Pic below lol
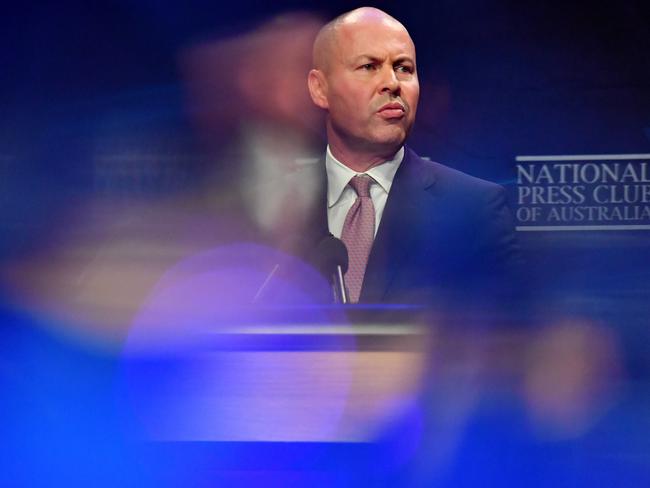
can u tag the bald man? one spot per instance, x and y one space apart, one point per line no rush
416 231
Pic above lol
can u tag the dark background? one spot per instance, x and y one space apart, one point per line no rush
499 79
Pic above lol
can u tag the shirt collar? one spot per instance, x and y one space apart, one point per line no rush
338 174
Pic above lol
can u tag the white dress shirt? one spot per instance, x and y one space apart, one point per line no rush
340 196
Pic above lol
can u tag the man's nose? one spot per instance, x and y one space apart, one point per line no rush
389 81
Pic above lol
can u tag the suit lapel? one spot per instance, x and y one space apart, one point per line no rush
318 227
401 221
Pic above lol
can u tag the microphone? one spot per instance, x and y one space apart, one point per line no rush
331 258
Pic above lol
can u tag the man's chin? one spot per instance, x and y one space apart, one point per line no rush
390 141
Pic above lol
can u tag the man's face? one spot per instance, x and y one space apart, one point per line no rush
372 86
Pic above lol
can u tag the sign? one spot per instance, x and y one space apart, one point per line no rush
583 192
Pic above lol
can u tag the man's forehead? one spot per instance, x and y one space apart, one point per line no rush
368 15
368 38
366 25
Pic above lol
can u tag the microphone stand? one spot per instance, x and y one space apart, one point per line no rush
338 284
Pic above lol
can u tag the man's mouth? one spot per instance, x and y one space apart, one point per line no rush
391 110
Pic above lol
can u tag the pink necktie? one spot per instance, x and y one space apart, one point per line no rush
358 234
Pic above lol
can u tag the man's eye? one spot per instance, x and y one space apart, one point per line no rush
404 69
367 66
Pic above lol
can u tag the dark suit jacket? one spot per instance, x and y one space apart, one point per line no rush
444 235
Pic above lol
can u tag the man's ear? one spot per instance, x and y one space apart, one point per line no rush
318 88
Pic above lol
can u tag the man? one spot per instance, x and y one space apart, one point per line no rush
416 231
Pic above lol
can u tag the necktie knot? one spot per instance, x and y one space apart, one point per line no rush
361 185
